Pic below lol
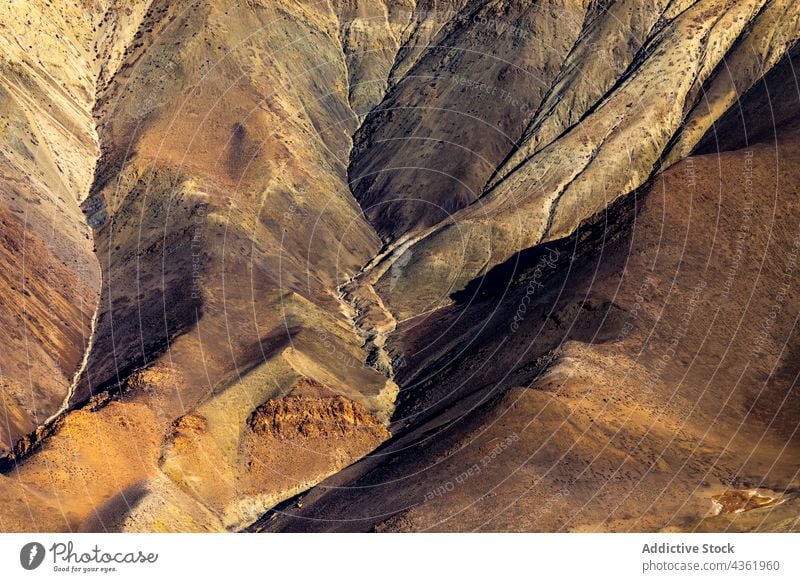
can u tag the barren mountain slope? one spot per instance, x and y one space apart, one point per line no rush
429 148
314 223
622 379
223 225
617 145
49 70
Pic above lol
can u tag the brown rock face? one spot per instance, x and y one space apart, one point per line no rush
298 440
306 417
245 244
732 501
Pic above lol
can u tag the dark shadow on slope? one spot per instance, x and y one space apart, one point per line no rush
111 515
151 252
773 103
515 317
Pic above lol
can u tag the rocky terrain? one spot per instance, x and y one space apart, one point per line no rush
399 266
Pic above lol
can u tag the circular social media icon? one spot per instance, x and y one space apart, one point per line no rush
31 555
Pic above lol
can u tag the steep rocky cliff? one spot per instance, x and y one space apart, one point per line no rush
51 67
245 244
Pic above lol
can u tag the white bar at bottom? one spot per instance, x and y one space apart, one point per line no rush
402 557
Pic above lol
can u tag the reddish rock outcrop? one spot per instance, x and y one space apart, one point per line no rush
311 417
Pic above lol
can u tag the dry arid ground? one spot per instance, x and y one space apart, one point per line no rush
399 265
